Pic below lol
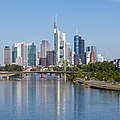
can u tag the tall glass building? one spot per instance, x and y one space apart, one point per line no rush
14 54
79 49
31 55
59 44
76 44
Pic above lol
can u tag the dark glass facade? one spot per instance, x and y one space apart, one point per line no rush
76 44
32 55
51 58
79 49
14 54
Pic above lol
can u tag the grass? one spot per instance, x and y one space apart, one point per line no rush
112 86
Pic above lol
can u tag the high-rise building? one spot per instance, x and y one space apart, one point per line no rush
43 62
88 52
38 58
31 55
44 47
24 54
59 44
77 58
17 53
79 49
62 47
38 54
51 55
68 52
7 55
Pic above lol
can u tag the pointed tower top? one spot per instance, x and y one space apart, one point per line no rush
55 23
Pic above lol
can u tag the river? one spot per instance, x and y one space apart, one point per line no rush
53 99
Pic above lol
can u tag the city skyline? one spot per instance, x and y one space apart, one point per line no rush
97 22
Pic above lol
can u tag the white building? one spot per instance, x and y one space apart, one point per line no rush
88 57
100 58
24 54
59 44
38 58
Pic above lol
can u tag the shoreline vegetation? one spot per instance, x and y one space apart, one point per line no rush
97 75
100 75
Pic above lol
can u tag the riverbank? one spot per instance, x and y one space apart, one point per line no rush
99 84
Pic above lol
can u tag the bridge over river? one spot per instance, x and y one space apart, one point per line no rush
42 73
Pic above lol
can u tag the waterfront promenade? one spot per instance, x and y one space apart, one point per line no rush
100 84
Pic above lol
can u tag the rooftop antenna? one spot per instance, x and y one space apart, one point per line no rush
55 22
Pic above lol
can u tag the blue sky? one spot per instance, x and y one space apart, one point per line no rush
98 21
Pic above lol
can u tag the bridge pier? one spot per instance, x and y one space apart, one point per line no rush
42 75
61 75
22 75
52 74
7 77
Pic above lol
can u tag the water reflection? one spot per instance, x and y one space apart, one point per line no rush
56 100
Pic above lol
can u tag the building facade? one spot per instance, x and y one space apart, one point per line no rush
38 58
31 55
116 62
59 44
88 52
24 54
44 47
68 53
79 49
100 58
43 62
7 55
51 58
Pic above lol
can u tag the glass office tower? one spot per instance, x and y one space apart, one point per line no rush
79 50
31 55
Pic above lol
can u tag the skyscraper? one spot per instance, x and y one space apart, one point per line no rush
7 55
17 53
31 54
24 54
38 58
56 42
62 47
79 49
44 47
68 52
51 58
43 62
59 44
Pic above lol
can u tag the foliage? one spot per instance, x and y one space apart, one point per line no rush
103 71
33 69
11 68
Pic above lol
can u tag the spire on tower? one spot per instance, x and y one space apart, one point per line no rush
55 23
